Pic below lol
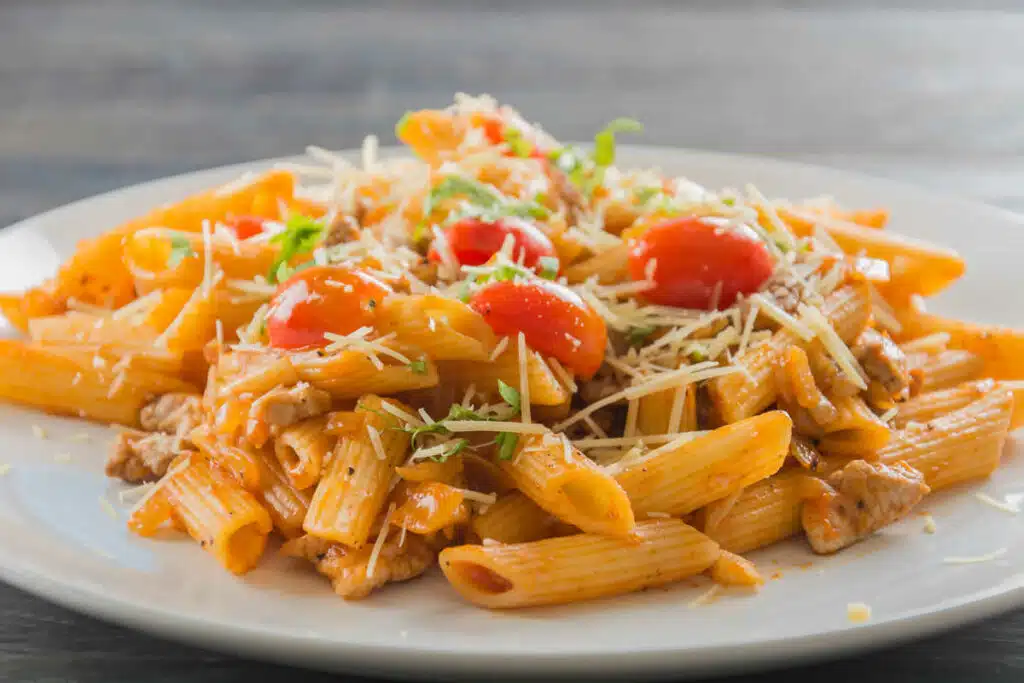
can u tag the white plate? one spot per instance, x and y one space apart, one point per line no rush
58 542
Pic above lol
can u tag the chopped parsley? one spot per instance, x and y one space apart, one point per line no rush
549 266
300 236
517 144
507 442
511 395
456 448
419 367
638 336
604 141
181 248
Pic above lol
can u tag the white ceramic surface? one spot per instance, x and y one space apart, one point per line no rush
57 541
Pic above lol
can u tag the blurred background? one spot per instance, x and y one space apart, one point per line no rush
96 95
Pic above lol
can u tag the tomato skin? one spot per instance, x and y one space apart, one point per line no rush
494 131
555 321
473 241
306 306
245 227
693 255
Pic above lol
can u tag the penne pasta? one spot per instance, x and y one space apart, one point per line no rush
959 446
580 567
444 329
514 518
354 486
301 450
679 478
545 388
561 480
764 513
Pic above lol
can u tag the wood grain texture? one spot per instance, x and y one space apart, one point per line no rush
97 95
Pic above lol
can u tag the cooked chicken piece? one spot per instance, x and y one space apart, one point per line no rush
345 228
282 407
173 413
139 457
567 192
864 498
785 290
400 559
882 360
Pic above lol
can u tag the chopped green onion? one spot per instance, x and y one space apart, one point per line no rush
511 395
300 236
549 266
418 367
637 336
181 249
604 141
507 442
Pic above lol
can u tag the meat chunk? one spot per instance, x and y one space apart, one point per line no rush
175 413
882 360
138 457
345 228
400 559
282 407
864 498
569 195
785 290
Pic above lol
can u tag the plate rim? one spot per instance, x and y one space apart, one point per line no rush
404 659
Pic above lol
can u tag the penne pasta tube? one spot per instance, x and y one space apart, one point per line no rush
765 513
350 374
225 519
575 568
354 486
932 404
286 504
561 480
947 369
545 388
855 431
609 266
1000 348
741 395
66 385
682 476
241 462
514 518
916 267
445 329
301 449
959 446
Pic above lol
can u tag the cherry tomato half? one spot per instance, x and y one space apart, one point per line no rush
555 321
473 241
322 299
244 227
693 256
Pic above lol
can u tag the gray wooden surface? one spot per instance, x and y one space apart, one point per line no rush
95 95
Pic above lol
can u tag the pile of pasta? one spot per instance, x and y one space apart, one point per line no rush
553 377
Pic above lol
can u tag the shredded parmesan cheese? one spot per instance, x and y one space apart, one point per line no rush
706 597
997 504
858 612
378 445
38 432
929 524
385 526
524 381
107 507
994 555
835 346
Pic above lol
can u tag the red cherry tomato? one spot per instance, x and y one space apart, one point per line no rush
322 299
474 241
494 130
555 321
693 256
244 227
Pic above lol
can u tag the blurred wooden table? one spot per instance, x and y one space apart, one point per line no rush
97 95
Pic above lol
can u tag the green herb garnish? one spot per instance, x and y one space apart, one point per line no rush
300 236
511 395
418 367
516 143
455 449
638 336
181 248
549 266
507 442
604 141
